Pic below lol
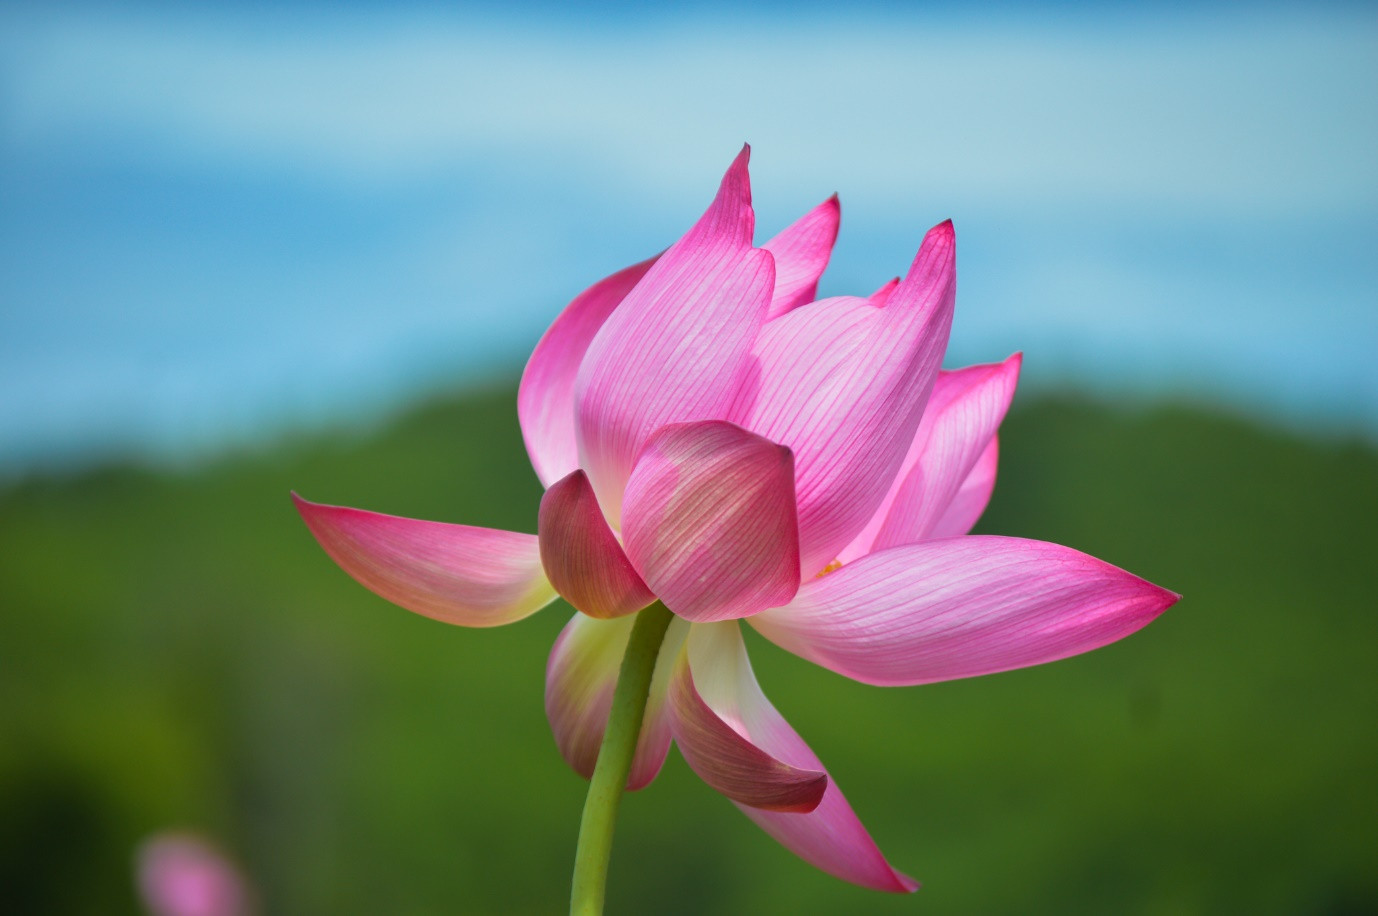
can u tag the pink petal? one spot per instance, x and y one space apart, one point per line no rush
580 678
801 253
581 555
882 295
545 401
843 383
964 411
724 754
678 346
972 496
959 607
710 521
829 836
474 577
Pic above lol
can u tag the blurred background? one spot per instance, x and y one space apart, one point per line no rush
253 247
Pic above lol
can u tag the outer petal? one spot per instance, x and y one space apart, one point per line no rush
474 577
545 401
960 607
829 836
710 520
843 383
677 347
581 555
580 678
972 497
801 253
959 423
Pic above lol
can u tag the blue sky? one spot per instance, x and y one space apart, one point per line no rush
219 224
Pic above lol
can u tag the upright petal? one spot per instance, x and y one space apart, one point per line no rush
959 607
710 520
545 400
801 253
474 577
678 346
972 496
882 295
958 425
581 555
580 678
727 704
843 383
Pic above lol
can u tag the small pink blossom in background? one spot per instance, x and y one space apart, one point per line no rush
180 874
712 437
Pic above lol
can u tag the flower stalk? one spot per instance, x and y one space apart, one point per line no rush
615 761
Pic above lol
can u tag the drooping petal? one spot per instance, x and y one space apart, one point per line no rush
801 253
725 756
965 409
829 835
473 577
678 346
972 496
545 400
581 555
580 678
959 607
843 383
710 522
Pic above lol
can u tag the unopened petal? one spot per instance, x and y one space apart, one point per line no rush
710 522
829 835
959 423
959 607
581 555
581 676
473 577
843 383
801 252
678 346
545 400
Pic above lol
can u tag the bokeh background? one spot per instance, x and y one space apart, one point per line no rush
254 247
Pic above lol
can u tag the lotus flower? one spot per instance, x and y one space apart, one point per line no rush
711 436
180 874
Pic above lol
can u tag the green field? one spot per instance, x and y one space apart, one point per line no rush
175 650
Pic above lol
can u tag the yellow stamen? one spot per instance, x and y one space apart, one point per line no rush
831 567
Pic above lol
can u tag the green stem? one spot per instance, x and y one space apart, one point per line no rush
615 760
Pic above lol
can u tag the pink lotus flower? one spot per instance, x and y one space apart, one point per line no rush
180 874
712 437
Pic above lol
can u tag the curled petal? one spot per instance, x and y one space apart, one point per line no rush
725 757
710 520
801 253
972 496
723 700
678 346
959 607
473 577
843 383
965 409
545 401
580 678
581 555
